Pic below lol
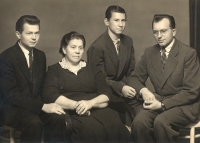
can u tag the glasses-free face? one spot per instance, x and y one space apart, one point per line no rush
74 51
29 36
116 24
162 32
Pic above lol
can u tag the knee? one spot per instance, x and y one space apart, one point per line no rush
160 121
140 123
36 125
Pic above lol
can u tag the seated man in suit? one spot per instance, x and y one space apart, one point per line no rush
113 53
22 71
173 69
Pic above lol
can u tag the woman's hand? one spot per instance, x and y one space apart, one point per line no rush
83 106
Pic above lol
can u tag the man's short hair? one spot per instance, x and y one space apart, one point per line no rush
159 17
30 19
113 8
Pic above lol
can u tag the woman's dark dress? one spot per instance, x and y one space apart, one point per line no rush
103 125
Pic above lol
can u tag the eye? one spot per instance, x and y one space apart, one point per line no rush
117 20
81 48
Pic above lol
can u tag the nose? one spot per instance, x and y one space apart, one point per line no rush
33 36
159 34
120 23
77 50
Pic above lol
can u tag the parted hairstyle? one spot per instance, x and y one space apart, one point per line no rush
69 36
113 8
30 19
159 17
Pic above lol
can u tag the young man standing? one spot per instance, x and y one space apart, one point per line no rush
113 53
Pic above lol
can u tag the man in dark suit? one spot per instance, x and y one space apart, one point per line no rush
113 53
22 71
173 69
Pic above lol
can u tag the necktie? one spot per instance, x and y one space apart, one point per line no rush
163 59
31 62
117 47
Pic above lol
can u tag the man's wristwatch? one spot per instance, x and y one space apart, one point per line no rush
162 107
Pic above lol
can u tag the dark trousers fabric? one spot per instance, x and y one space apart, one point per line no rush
156 127
31 127
29 124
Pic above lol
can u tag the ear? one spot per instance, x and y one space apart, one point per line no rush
64 50
18 35
174 31
106 21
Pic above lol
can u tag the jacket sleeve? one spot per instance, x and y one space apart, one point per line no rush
95 57
12 92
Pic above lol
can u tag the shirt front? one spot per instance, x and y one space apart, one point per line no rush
168 48
26 53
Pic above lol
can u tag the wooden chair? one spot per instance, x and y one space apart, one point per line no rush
192 135
11 133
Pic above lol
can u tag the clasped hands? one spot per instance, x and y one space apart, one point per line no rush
150 102
83 107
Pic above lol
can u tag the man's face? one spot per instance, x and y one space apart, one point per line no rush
163 33
29 36
116 24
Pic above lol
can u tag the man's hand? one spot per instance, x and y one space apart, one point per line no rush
53 108
83 106
152 105
147 95
128 92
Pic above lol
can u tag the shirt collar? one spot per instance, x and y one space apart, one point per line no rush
168 48
25 51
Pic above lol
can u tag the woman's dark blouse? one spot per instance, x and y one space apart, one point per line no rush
83 86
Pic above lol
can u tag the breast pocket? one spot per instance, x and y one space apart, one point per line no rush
177 78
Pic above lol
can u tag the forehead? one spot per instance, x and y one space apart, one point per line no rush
162 24
76 42
118 15
29 27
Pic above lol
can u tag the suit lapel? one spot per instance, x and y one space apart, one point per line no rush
112 51
169 66
21 61
122 57
156 64
171 61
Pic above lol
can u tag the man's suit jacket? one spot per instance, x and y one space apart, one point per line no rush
18 91
102 54
179 85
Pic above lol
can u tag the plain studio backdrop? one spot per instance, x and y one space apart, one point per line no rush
59 17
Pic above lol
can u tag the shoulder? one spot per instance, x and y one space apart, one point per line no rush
54 66
8 52
39 52
126 38
100 40
186 50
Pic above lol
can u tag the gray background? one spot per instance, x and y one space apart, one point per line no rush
86 17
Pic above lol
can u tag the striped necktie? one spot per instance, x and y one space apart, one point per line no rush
31 62
163 59
117 47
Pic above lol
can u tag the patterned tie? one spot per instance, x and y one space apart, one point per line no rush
31 62
163 59
117 47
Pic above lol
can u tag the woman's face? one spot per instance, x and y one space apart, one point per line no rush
74 51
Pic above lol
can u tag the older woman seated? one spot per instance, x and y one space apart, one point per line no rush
84 94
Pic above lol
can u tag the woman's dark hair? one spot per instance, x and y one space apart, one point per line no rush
30 19
69 36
